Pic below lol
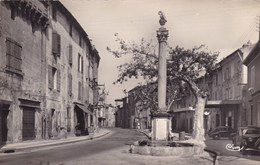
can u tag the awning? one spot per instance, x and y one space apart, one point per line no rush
83 108
219 103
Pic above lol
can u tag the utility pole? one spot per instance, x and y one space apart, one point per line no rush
161 122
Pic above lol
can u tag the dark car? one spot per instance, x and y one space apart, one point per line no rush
222 132
237 137
248 138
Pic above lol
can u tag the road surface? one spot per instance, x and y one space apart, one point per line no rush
74 151
220 147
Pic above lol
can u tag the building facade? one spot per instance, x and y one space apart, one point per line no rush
227 86
121 114
225 104
134 111
253 88
48 72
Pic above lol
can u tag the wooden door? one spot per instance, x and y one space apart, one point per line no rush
28 123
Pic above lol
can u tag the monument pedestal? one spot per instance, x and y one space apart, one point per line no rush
161 126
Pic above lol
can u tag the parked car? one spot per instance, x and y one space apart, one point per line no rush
248 138
237 137
222 132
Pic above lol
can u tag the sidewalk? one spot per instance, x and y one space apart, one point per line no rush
43 143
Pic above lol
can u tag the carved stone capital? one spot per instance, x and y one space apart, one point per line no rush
162 34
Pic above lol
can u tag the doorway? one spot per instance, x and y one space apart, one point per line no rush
3 122
28 123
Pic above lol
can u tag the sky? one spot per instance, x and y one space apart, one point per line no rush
222 25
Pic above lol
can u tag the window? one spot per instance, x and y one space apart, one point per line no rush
80 63
91 67
80 90
252 77
80 42
54 77
54 14
70 55
56 44
13 56
70 84
70 30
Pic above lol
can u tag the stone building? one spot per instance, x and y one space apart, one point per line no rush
227 87
135 109
139 107
252 62
49 71
121 114
225 104
22 46
72 74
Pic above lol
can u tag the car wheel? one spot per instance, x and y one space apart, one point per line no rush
216 137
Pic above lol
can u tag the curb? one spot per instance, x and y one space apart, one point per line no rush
55 143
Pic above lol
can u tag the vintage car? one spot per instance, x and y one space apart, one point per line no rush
237 137
221 132
248 138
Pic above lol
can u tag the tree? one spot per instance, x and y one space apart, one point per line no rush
184 68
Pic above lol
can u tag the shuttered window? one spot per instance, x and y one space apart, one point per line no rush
80 63
70 55
252 77
58 80
56 44
54 78
13 55
50 77
71 30
69 84
80 91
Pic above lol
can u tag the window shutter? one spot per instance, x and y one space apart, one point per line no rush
12 62
54 43
8 53
80 89
50 78
20 57
58 45
17 57
69 84
58 80
82 64
70 54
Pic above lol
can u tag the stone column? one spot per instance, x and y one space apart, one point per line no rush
161 121
162 35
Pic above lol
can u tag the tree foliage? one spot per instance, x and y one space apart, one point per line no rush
184 66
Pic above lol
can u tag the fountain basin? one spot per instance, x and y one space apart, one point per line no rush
163 148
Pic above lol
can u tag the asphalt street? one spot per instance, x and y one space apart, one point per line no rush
110 149
70 152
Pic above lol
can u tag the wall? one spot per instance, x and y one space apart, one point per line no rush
29 83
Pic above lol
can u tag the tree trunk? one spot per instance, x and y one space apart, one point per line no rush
198 125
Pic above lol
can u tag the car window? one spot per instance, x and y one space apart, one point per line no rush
253 131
